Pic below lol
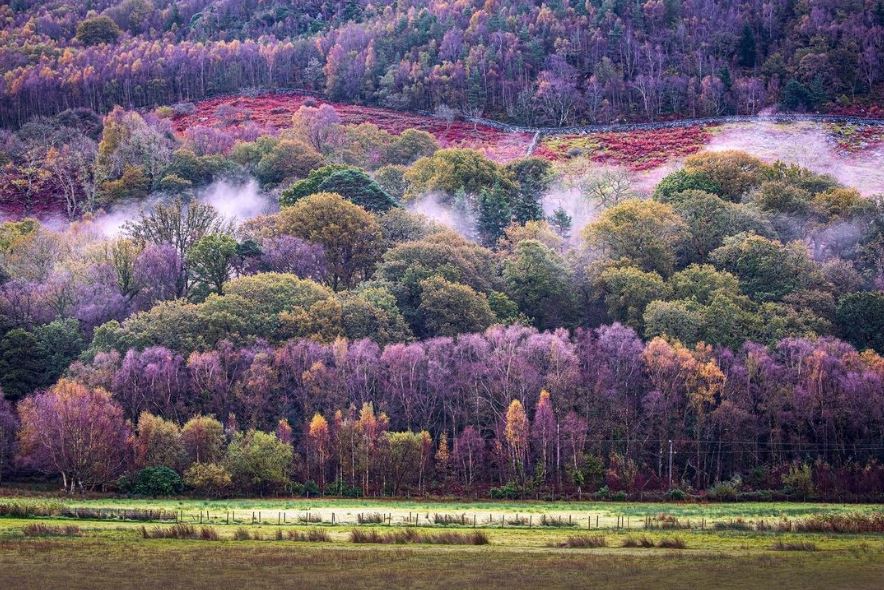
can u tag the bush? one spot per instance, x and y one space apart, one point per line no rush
343 489
676 495
724 491
155 481
510 491
310 489
799 481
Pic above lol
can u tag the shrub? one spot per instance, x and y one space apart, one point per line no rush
724 491
799 481
510 491
676 495
155 481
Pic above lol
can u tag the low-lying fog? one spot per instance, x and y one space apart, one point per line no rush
237 200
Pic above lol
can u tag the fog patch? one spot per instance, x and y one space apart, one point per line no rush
235 200
446 211
808 145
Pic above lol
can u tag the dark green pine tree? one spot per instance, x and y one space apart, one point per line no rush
746 51
495 214
20 364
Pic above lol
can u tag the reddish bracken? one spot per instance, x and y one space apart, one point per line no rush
274 112
637 150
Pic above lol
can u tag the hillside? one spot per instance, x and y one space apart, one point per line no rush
553 63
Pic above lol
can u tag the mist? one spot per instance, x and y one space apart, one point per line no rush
808 145
235 200
439 208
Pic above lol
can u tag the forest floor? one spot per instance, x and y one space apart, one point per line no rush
659 545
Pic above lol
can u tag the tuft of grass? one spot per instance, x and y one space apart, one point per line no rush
555 521
737 524
672 543
793 546
412 536
208 533
48 530
582 541
370 518
311 536
176 531
642 541
244 534
854 523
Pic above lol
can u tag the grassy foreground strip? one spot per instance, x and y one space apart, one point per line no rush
82 563
58 550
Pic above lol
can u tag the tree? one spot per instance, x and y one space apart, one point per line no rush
860 319
21 367
679 320
516 435
258 461
544 433
538 281
208 479
409 146
646 233
318 126
733 173
709 219
628 290
319 441
561 222
349 234
767 269
746 47
534 176
210 260
8 430
310 185
202 438
358 187
76 432
97 30
450 308
287 159
698 282
495 214
158 443
454 171
180 224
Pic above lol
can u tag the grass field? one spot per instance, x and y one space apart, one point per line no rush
109 552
